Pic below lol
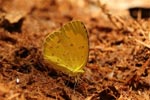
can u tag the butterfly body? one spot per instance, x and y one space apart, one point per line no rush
67 48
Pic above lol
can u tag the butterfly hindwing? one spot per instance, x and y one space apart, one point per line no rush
67 48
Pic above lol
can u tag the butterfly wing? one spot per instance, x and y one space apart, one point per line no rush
67 48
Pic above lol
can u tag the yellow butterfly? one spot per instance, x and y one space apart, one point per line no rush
67 49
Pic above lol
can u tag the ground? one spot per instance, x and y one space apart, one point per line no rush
119 56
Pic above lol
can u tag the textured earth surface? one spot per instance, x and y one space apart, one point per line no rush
118 67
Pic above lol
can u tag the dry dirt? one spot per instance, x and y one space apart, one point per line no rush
118 67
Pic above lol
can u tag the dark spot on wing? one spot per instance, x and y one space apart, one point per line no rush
81 47
71 44
58 60
66 65
52 36
59 41
57 46
50 47
64 54
52 54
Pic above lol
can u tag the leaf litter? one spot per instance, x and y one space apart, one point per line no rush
118 66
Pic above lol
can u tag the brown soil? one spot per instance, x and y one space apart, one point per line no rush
118 67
